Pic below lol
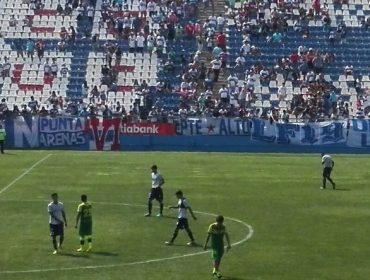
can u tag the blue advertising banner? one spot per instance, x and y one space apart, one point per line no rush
213 126
359 134
321 133
46 132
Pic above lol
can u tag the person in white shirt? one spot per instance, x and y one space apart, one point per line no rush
90 13
132 43
140 41
213 20
12 21
57 221
151 6
216 67
220 23
156 191
328 165
142 8
224 94
54 68
182 218
183 113
282 92
47 68
240 59
245 48
64 71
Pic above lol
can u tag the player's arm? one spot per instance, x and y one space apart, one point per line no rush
162 182
64 217
206 242
191 212
228 241
173 207
332 166
78 218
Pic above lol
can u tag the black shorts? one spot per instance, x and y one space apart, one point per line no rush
326 172
156 193
56 230
182 223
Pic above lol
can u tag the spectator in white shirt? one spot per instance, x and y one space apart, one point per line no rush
151 6
216 67
245 49
240 59
142 8
213 20
12 21
140 40
224 94
54 68
132 43
220 23
282 92
47 68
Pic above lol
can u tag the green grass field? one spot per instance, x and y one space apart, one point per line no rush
300 231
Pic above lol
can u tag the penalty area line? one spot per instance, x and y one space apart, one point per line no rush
246 238
24 174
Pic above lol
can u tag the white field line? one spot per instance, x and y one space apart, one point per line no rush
249 236
24 174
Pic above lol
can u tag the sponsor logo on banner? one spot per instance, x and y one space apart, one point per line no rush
212 126
25 131
148 128
58 132
104 134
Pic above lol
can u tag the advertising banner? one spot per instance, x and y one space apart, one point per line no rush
359 133
148 129
104 134
213 126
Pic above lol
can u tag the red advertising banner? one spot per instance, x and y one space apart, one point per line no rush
148 129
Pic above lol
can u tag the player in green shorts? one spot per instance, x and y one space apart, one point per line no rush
85 218
216 232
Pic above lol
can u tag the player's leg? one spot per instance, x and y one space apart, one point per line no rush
53 238
89 237
82 243
159 197
150 204
189 232
175 232
61 235
324 179
329 178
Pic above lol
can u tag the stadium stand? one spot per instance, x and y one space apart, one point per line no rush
284 58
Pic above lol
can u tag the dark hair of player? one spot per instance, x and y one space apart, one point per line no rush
54 194
220 219
84 197
179 193
154 167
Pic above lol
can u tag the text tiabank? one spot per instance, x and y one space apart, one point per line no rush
320 133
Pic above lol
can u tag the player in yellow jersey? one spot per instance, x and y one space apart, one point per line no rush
85 219
216 233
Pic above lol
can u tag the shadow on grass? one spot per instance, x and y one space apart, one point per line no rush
76 255
10 154
104 254
343 190
170 217
196 245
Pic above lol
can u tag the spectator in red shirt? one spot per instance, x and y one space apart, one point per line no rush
294 58
63 34
189 30
221 40
317 7
40 47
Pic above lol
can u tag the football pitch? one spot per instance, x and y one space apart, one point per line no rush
281 224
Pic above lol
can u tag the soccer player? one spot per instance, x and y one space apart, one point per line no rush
85 218
217 231
57 221
328 164
182 221
156 192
